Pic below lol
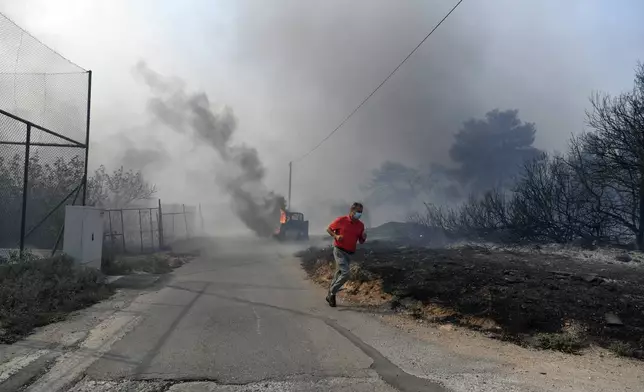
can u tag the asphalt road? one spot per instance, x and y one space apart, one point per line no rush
242 317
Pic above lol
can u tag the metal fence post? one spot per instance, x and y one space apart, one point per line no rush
160 223
89 107
151 231
122 232
109 217
141 229
185 219
25 187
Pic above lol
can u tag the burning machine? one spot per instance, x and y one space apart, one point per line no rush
292 226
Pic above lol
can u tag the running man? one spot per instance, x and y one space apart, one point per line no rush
346 231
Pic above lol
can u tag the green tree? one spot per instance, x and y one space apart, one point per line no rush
491 152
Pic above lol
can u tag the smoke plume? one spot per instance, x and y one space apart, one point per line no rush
242 174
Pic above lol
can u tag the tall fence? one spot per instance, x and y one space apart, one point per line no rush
147 229
44 139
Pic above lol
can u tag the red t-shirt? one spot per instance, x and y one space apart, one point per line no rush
350 230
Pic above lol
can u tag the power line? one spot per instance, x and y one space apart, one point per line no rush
380 85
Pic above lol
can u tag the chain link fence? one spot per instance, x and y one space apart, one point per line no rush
143 230
44 134
178 222
132 230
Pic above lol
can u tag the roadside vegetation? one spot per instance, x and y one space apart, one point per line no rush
38 291
35 292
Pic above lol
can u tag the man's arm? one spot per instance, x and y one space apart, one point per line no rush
331 230
363 237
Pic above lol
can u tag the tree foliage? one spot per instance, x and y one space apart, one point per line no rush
491 152
610 160
594 192
49 183
118 189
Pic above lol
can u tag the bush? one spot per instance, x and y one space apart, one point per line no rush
36 292
622 349
564 342
15 257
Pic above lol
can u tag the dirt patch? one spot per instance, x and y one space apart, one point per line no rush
536 298
36 292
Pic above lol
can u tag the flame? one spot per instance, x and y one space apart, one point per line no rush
282 221
282 216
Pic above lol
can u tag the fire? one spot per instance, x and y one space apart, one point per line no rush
282 216
282 221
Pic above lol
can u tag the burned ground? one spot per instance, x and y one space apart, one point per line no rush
524 296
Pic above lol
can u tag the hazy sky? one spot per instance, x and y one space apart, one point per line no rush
291 70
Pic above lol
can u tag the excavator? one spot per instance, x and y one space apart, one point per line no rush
292 227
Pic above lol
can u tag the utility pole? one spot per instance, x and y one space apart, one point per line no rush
290 177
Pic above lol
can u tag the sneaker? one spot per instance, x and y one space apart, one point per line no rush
331 300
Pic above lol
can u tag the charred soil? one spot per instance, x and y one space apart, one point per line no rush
534 298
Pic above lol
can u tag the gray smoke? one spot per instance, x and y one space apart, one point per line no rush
142 158
292 70
319 59
242 174
120 149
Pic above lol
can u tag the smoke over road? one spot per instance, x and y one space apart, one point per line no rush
242 175
292 70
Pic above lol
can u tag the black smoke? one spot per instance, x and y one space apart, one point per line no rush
242 177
